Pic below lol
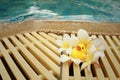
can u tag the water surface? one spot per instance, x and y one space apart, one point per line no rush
78 10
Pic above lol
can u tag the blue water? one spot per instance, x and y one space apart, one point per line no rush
78 10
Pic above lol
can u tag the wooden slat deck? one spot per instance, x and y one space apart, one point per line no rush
34 56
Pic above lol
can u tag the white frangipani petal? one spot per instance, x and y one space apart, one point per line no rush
92 49
93 37
89 67
84 65
69 50
82 34
60 50
102 47
97 55
60 37
66 37
74 41
76 61
64 58
59 42
98 42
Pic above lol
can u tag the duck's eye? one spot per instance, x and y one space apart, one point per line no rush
82 47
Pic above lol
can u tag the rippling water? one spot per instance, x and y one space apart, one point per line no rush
80 10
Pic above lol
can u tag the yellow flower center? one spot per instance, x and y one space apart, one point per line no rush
65 44
89 57
87 43
79 52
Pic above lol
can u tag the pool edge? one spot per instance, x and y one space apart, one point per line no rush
104 28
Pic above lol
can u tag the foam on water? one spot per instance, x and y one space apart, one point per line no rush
35 10
85 10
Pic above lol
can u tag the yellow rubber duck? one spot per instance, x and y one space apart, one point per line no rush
79 52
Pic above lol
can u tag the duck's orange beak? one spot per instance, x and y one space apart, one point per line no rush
78 48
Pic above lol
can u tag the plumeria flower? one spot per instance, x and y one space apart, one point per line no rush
80 46
84 38
67 43
100 48
96 51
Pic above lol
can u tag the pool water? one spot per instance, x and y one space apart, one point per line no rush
78 10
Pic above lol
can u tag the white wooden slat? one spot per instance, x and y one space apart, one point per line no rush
77 75
43 78
50 54
108 68
7 51
119 37
18 75
32 60
65 71
46 43
111 56
3 72
84 78
32 45
55 36
52 40
116 40
98 71
116 50
23 64
40 55
88 74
